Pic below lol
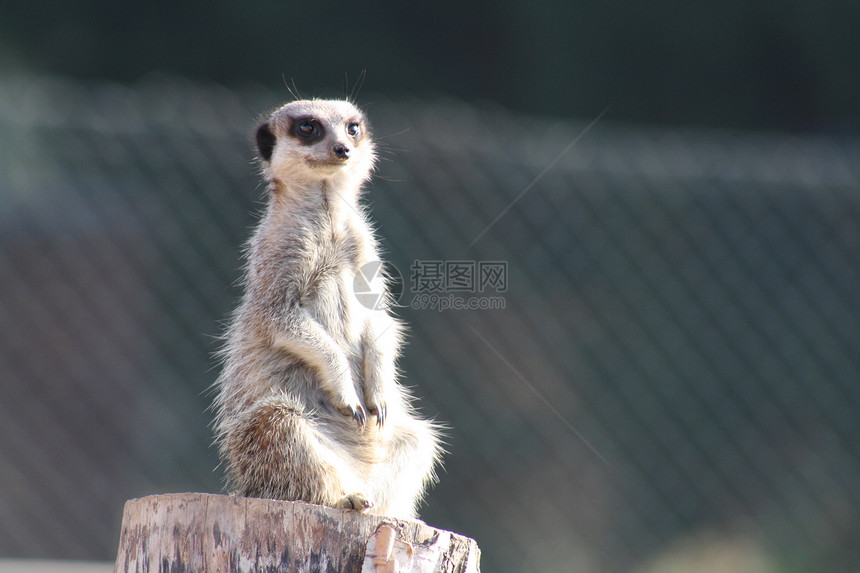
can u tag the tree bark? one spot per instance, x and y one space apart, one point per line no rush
191 532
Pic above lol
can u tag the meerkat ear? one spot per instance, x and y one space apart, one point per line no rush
265 141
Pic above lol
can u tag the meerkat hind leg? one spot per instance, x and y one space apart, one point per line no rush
400 480
357 501
277 452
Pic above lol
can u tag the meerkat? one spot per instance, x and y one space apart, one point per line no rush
309 406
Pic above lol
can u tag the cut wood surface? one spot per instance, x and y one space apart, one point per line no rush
192 532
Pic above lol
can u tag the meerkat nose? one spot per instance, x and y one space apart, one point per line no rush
340 151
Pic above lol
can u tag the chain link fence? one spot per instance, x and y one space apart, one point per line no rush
646 342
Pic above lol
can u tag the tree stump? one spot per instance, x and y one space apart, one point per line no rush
191 532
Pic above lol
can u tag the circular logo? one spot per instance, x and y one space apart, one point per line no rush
377 285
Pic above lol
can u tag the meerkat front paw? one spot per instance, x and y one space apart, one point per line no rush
357 501
358 413
376 406
345 399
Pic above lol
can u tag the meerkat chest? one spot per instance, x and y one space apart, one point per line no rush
344 286
337 304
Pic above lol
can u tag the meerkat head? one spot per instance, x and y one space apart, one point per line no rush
311 141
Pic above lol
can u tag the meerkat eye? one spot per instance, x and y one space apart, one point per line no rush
306 128
353 129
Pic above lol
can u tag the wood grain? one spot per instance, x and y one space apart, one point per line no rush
189 532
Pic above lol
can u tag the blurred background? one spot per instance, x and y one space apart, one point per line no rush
667 379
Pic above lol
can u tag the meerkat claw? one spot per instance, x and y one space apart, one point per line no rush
360 416
358 413
380 413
